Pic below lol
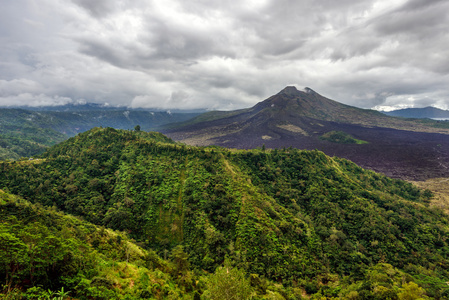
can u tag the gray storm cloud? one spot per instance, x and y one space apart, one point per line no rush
221 55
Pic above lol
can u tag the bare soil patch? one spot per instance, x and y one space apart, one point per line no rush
440 189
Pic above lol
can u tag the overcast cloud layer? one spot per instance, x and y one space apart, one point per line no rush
223 54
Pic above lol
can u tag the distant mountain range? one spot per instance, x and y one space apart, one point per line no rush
77 107
420 113
69 107
397 147
71 122
25 132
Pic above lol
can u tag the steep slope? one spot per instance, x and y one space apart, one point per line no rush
46 254
294 103
397 147
289 215
290 104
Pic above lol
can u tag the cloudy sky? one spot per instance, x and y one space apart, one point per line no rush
223 54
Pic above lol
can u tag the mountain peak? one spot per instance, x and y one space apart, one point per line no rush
293 91
289 90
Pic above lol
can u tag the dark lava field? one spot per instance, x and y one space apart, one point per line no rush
396 153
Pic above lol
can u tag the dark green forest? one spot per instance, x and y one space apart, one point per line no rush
267 223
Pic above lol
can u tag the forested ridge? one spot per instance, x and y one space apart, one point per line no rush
293 223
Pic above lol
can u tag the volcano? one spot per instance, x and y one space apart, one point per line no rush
304 119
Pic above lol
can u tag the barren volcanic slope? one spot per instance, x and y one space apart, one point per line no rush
399 148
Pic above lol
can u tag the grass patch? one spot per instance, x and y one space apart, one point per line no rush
341 137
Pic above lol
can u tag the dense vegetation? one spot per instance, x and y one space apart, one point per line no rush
311 223
46 254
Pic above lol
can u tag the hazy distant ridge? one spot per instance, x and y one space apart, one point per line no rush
419 113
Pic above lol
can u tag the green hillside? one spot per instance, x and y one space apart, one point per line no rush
340 137
311 223
49 255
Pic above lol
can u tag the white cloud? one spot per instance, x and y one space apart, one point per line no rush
27 99
224 55
17 86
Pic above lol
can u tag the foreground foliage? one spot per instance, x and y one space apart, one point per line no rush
315 225
45 251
